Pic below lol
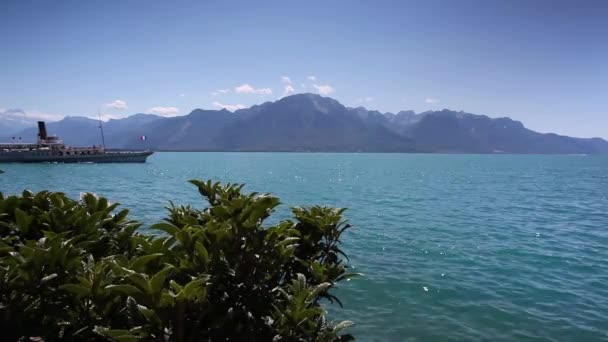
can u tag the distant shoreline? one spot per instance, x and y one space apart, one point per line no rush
387 152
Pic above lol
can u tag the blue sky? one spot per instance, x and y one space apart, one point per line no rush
544 63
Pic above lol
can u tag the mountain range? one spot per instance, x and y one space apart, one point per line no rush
310 122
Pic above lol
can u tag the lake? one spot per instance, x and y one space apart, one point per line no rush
453 247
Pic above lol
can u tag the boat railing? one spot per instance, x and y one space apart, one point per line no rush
93 148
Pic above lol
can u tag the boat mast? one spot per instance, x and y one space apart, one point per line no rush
103 139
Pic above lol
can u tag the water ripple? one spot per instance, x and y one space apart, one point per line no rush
454 247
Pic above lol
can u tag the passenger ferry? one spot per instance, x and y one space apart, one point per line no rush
51 149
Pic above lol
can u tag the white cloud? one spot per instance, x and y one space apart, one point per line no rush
247 89
312 78
220 91
117 104
182 95
431 100
404 100
44 116
367 99
105 117
304 85
164 111
28 116
288 90
324 89
229 107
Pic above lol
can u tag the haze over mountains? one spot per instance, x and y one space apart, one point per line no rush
309 122
13 121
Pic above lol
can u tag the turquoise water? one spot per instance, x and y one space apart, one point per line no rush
453 247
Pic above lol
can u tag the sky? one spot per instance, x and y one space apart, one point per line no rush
544 63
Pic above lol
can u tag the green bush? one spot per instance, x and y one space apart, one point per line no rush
79 270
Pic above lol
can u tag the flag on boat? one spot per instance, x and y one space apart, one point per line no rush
142 138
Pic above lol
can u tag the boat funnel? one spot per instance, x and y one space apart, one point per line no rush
42 130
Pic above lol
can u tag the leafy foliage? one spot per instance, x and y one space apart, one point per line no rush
79 270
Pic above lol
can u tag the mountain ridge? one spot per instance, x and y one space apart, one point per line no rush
310 122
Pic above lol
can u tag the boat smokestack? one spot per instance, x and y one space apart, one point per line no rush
42 130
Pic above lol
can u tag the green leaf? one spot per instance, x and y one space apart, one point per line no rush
288 241
166 227
141 280
119 335
157 281
79 290
48 278
194 289
175 286
127 289
343 325
139 263
202 252
23 220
